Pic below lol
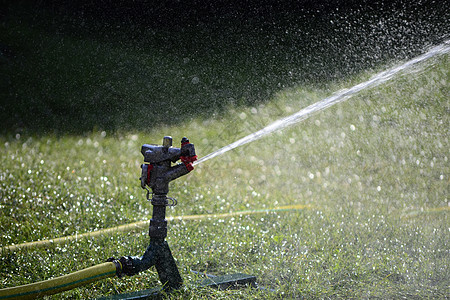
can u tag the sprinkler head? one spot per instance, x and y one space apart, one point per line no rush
158 171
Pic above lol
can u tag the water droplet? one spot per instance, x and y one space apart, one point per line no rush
195 80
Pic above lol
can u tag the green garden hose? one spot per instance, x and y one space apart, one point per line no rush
59 284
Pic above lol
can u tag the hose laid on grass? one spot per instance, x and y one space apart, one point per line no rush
415 213
98 272
139 226
59 284
143 224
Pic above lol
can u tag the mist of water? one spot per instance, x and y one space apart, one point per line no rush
337 97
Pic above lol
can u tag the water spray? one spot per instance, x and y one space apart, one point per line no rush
336 98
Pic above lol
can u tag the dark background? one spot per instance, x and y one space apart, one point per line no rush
78 66
178 13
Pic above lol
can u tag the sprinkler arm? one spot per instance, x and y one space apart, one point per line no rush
155 154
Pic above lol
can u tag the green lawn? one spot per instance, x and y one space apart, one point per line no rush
373 171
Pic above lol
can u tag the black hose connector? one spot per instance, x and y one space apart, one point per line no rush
124 266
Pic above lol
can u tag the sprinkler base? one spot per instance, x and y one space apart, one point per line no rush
223 282
158 254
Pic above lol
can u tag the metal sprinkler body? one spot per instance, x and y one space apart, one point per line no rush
157 173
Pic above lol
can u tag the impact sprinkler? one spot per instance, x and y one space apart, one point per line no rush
157 173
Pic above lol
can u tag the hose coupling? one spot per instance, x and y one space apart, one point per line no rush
124 266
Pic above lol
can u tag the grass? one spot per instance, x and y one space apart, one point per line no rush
374 170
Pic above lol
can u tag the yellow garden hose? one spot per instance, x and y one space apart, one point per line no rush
58 241
101 271
98 272
143 224
59 284
417 212
139 226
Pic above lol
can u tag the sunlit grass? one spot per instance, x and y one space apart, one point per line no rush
79 101
374 169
